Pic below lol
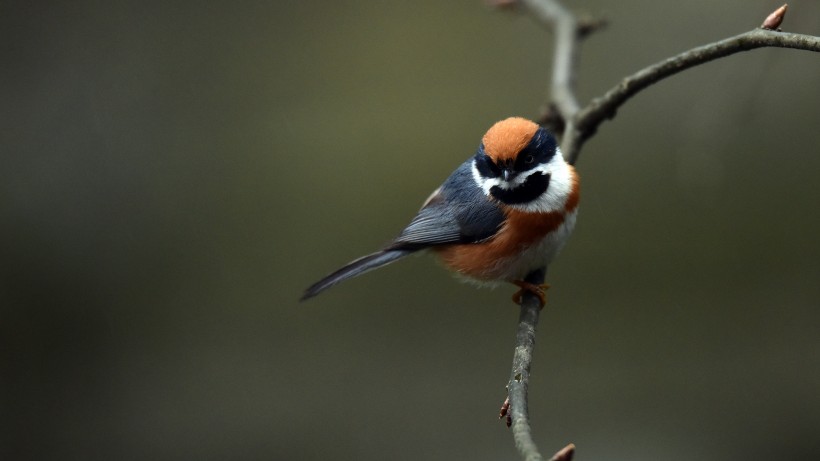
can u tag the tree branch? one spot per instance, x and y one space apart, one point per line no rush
564 115
520 374
588 119
565 30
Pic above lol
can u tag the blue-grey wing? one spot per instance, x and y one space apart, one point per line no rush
459 212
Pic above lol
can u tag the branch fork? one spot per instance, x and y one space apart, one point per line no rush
574 124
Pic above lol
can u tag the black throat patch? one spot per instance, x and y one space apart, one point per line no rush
535 185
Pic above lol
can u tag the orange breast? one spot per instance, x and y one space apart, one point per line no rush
488 260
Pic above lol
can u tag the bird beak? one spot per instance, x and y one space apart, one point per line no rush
506 174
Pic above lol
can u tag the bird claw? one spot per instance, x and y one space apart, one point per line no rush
539 290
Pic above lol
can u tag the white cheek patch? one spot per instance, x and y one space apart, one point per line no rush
485 183
555 197
517 181
560 187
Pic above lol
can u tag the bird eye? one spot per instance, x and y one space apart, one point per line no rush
529 159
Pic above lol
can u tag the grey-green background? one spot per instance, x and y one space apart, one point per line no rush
173 174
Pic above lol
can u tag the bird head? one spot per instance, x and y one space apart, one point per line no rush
519 164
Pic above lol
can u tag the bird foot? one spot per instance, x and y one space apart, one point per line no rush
538 290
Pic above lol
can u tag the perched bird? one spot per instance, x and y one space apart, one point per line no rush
503 213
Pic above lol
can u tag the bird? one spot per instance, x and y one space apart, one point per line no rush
503 213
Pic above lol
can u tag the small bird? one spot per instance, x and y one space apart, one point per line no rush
503 213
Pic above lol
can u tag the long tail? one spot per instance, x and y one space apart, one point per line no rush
354 268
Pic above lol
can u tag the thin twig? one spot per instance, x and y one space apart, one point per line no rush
588 119
565 30
520 375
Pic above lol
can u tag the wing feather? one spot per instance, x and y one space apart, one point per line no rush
458 212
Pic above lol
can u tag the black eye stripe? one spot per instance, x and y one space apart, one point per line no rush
541 148
483 169
484 164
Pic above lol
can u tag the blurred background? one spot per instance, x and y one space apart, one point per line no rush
174 174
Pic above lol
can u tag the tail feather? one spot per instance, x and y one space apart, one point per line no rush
354 268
